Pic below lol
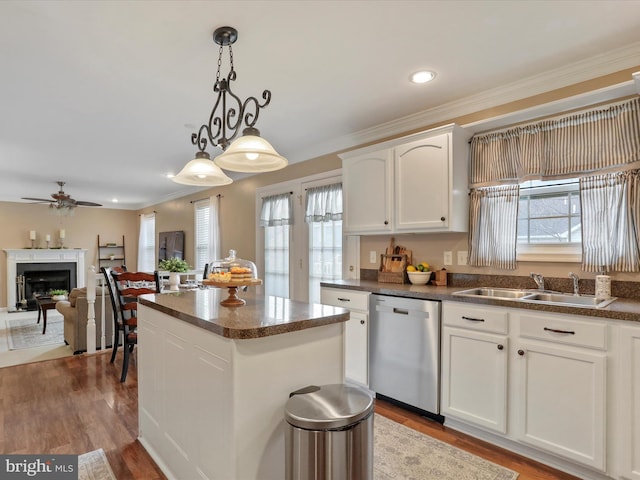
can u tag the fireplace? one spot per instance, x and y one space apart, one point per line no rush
43 270
40 278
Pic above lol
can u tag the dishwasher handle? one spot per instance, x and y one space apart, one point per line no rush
405 312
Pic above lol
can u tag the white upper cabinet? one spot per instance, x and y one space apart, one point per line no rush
411 184
367 191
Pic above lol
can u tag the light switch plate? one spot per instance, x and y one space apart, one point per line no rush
448 258
462 257
373 257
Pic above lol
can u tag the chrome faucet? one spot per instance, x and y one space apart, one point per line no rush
539 279
576 279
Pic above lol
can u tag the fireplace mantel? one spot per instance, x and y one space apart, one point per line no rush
41 255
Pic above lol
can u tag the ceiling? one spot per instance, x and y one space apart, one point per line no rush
104 95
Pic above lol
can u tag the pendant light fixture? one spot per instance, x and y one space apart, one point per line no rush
249 153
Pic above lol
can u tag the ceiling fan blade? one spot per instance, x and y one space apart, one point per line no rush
87 204
38 199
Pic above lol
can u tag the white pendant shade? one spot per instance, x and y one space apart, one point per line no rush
201 171
250 154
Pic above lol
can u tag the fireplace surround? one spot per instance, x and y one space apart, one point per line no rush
45 267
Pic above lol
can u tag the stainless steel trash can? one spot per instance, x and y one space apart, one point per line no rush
329 433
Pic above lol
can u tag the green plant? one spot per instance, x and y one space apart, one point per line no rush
173 265
58 292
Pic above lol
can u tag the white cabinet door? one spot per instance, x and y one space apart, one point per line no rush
560 406
422 185
367 192
474 377
356 341
356 330
629 402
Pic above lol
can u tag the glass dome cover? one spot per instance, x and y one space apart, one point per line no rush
233 268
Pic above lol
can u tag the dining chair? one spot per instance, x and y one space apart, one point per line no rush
128 286
117 324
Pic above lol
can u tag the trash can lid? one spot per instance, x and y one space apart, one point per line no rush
328 407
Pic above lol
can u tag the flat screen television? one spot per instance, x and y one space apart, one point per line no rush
171 245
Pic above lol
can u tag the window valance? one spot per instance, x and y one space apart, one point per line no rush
276 210
324 204
577 145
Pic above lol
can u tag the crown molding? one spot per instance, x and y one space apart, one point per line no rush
571 74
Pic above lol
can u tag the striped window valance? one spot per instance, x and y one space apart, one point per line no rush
574 146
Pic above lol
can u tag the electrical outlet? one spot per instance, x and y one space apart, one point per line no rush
462 257
448 258
373 256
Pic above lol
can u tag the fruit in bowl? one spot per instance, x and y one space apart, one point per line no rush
419 278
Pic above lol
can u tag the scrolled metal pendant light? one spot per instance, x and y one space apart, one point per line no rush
249 152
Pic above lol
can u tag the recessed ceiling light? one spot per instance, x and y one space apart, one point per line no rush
169 175
423 76
114 200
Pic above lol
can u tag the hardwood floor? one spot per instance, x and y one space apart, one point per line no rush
74 405
77 404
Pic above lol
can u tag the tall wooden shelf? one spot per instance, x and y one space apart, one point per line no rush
111 254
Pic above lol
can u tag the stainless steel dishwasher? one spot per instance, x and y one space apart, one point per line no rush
404 351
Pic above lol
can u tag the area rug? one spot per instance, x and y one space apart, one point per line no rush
403 453
26 333
94 466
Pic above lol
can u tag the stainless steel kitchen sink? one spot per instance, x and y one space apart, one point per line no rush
533 296
508 293
569 300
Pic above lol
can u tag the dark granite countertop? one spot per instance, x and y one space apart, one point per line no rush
262 315
621 309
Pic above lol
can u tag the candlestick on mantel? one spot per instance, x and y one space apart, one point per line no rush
32 234
62 233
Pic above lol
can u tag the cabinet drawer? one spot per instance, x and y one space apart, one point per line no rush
556 329
475 317
351 299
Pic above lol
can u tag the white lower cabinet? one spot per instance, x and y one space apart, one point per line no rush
356 331
628 402
536 382
474 366
560 402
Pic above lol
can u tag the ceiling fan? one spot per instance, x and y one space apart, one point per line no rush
62 200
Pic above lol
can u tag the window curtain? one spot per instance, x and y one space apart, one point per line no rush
611 222
574 146
324 204
324 217
493 215
147 243
276 210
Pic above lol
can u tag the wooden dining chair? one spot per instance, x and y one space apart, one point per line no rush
115 308
128 286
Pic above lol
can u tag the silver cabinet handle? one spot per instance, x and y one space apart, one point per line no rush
344 299
471 319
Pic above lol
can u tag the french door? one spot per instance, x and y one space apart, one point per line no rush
294 256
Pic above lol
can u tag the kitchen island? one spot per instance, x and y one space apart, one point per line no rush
213 381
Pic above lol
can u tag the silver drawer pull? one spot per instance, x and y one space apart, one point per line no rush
344 299
401 311
566 332
471 319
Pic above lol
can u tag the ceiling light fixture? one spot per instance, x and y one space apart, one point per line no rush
249 153
423 76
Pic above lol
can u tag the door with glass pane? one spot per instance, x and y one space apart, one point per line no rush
323 215
300 237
